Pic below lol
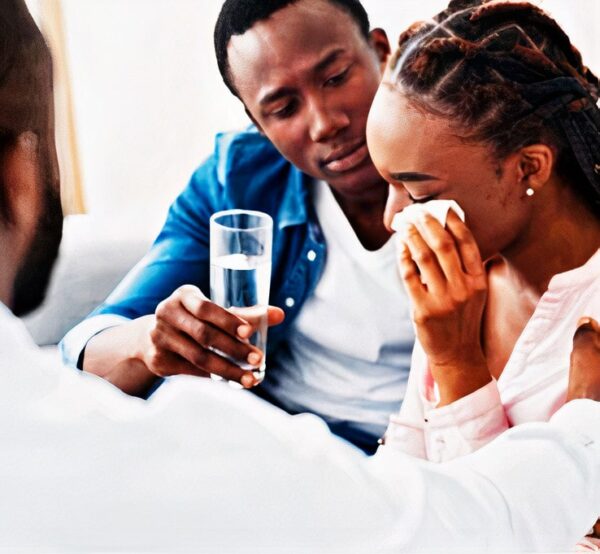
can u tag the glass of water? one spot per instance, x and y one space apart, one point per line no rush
240 271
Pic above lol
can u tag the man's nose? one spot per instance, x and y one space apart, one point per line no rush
398 199
325 121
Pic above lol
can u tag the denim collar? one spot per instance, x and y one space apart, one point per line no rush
247 163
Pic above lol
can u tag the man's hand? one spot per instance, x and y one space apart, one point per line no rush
188 331
584 373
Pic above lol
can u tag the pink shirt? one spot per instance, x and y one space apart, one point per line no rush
532 386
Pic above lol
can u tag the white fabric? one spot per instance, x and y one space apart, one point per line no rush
436 208
204 468
532 386
350 346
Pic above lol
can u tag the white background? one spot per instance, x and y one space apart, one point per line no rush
149 99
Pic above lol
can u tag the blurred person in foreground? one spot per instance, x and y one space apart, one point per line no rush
202 467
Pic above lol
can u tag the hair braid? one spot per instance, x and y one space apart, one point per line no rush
507 74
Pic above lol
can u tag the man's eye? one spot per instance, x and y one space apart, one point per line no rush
284 111
337 79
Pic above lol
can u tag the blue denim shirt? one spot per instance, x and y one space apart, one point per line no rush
245 171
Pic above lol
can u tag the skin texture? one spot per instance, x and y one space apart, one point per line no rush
424 155
318 113
311 99
324 88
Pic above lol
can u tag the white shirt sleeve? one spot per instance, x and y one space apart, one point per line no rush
441 434
535 488
205 468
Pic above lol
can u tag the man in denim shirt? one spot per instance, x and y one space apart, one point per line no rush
306 71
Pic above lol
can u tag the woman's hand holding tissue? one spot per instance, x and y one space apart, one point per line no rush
446 280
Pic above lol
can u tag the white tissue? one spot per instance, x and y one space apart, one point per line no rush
436 208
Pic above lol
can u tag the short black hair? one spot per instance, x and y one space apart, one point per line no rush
237 16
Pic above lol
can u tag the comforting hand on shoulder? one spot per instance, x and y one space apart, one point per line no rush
584 373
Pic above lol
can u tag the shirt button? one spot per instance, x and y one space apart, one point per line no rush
289 302
311 255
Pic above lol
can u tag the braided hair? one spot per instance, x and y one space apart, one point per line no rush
509 76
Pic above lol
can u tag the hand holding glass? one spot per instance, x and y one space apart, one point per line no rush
240 271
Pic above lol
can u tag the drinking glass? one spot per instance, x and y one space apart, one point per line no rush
240 271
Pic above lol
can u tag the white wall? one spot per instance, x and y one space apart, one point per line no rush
149 99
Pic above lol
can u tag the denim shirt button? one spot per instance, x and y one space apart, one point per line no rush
311 255
289 302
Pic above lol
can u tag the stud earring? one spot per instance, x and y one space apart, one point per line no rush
529 192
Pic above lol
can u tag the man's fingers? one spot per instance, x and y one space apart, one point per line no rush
172 364
255 316
202 360
192 299
209 336
275 315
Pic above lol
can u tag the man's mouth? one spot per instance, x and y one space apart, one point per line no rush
346 158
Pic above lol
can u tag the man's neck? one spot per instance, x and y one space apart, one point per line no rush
365 214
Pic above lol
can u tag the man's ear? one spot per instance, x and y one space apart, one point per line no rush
19 178
379 42
256 123
535 165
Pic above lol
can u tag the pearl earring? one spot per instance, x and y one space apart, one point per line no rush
529 192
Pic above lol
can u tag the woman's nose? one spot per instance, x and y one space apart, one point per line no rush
398 199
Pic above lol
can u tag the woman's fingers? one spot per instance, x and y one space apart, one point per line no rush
409 273
426 260
442 243
467 247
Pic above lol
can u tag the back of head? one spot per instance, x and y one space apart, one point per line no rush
508 75
25 81
26 110
238 16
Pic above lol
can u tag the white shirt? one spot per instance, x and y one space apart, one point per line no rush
203 468
532 386
349 349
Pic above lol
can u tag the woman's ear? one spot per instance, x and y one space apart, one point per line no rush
535 165
380 43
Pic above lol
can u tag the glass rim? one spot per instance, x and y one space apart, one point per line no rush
238 211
